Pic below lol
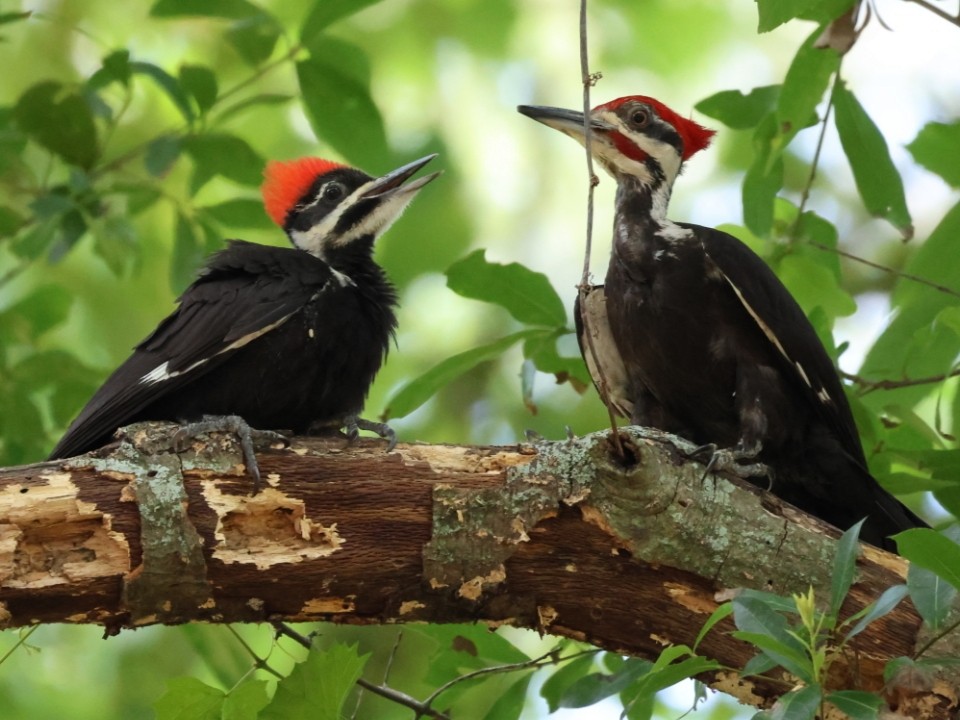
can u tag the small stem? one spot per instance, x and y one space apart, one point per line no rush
954 19
870 385
936 638
583 288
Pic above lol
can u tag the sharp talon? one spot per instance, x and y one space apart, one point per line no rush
248 437
355 424
532 436
730 461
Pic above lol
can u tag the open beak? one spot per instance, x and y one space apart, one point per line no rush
569 122
392 183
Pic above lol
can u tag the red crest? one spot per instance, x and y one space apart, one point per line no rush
286 182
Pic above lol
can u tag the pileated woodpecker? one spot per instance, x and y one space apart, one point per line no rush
695 335
275 337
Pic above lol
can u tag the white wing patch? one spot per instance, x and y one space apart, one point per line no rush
766 330
162 371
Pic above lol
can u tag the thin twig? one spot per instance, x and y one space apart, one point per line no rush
896 273
815 162
259 663
940 12
583 289
871 385
548 658
421 709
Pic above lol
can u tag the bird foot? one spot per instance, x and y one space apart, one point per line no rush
250 439
354 424
731 460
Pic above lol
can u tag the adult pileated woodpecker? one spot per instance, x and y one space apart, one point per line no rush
285 338
696 335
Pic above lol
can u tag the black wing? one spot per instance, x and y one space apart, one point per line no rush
787 328
245 291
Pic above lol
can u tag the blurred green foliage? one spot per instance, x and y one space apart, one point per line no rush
132 141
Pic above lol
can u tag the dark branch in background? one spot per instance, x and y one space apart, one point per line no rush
584 287
425 708
421 709
871 385
939 12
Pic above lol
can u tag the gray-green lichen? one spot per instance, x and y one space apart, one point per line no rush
660 507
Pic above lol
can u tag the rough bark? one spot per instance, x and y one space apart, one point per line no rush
555 536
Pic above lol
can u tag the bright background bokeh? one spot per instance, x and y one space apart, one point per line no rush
447 76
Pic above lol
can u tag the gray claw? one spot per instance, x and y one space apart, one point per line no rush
354 424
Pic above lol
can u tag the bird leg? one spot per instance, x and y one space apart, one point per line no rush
731 459
354 424
249 438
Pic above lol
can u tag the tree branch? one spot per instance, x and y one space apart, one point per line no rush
558 537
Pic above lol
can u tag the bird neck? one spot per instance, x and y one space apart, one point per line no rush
641 211
355 261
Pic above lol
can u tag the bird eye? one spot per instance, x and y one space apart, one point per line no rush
332 191
639 117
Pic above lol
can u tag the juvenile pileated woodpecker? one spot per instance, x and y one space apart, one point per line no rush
695 335
280 338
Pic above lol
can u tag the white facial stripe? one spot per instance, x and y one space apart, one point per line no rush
161 372
379 221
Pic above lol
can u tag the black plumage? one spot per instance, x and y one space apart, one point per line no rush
285 338
695 335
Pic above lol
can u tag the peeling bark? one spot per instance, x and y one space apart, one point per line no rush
557 537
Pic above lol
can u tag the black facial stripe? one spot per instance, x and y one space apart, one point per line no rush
310 210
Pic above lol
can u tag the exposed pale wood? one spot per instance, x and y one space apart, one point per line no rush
555 537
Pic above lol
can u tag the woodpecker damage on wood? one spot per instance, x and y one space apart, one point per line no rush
555 536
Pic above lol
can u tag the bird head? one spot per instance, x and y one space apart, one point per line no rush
324 206
634 136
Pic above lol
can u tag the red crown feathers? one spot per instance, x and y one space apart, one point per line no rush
695 137
286 182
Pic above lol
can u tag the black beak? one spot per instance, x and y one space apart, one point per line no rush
392 182
566 121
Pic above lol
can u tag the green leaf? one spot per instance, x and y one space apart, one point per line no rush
757 665
226 155
813 285
263 99
936 148
246 701
844 567
876 176
115 68
931 550
187 255
187 698
542 351
883 605
856 704
115 241
10 221
791 659
595 687
239 213
525 294
254 38
60 120
800 704
773 13
327 12
739 111
318 687
161 154
341 110
804 87
763 179
719 614
557 685
230 9
931 595
416 392
510 704
201 83
9 17
168 84
40 311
